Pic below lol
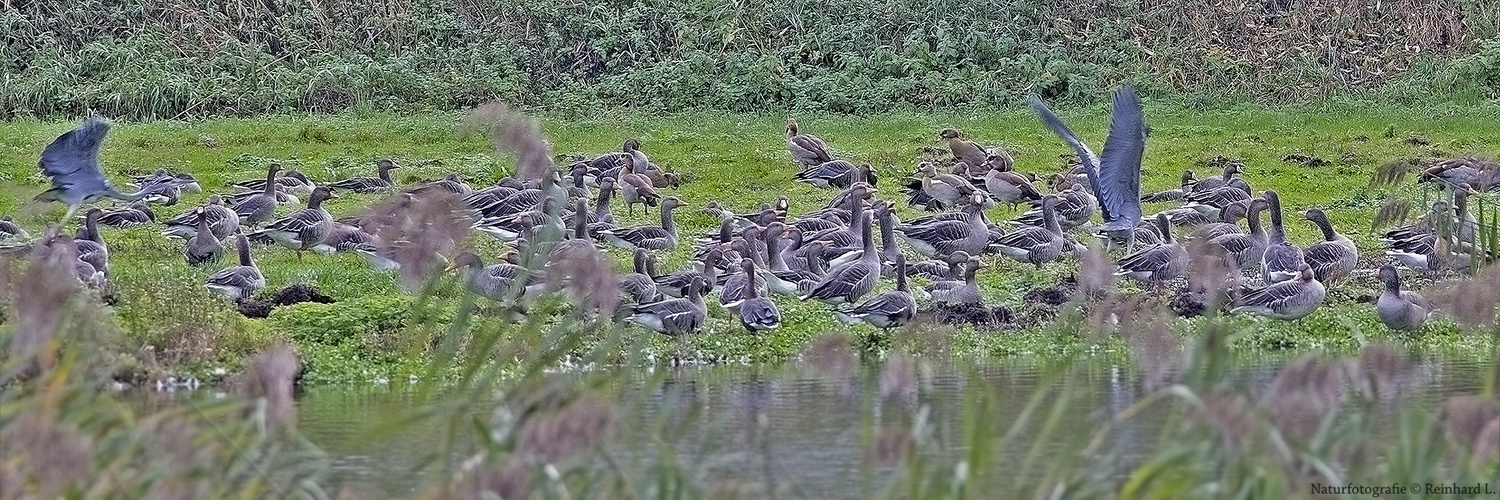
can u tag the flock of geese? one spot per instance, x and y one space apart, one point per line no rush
828 255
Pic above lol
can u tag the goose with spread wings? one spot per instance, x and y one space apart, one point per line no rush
1116 176
71 162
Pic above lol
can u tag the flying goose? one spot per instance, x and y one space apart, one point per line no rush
1398 309
1115 177
887 310
1335 256
807 150
302 229
663 237
71 162
676 316
241 281
1286 300
1281 258
381 181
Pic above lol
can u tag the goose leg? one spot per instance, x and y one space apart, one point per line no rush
72 209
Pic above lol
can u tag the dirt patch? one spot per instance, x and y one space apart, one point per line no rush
1304 160
291 294
976 315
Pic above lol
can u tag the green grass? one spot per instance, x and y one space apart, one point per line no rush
739 160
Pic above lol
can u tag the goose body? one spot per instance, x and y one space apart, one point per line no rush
959 292
302 229
261 207
203 248
892 309
1333 258
677 316
663 237
944 237
1281 259
807 150
1285 300
849 282
1398 309
381 181
241 281
1036 245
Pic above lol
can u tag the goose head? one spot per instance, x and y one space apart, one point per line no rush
950 133
464 260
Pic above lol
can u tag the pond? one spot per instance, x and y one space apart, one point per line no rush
804 430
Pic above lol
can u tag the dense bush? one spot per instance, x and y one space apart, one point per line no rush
174 58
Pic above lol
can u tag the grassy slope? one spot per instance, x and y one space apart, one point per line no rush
741 160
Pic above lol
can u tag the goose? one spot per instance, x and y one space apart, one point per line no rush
222 221
757 313
1157 264
963 149
663 237
847 283
947 189
676 284
9 230
202 248
292 182
1428 253
579 189
1185 217
1281 258
90 244
737 286
496 282
887 310
304 228
636 188
1211 201
279 198
162 177
1036 245
1074 208
1114 177
807 150
677 316
885 218
1335 256
1188 179
381 181
1398 309
1007 186
241 281
946 269
71 163
1424 225
782 278
959 292
1453 173
134 215
1228 221
948 236
343 238
837 174
258 209
639 286
1243 251
1285 300
1227 179
451 184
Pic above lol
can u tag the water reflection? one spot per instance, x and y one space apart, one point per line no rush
806 432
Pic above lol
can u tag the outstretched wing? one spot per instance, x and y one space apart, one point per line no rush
1085 155
1118 183
72 161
